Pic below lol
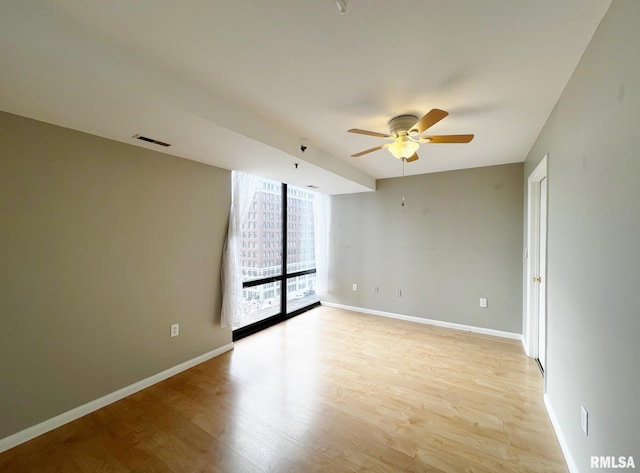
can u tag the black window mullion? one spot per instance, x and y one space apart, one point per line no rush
283 273
259 282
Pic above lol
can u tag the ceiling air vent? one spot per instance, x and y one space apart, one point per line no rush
151 140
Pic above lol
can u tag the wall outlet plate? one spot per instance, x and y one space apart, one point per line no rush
175 330
483 302
584 420
355 287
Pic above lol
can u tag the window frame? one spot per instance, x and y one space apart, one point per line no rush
283 277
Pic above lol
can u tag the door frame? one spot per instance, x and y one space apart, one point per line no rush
530 335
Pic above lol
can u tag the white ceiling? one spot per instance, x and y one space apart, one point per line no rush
242 84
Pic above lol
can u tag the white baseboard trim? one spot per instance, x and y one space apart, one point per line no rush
69 416
420 320
564 446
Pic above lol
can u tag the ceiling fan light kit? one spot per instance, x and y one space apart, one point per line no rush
403 147
405 131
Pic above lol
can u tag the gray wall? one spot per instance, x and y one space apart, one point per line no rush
593 306
103 245
458 238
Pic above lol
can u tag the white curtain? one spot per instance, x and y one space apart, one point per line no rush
243 188
322 219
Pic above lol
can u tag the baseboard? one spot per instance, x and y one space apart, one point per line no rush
564 446
69 416
420 320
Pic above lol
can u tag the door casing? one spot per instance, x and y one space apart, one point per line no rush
531 328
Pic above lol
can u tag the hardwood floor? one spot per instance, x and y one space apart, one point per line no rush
327 391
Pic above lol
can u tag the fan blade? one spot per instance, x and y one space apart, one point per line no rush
357 155
448 139
413 158
369 133
430 119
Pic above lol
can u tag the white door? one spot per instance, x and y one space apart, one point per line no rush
542 276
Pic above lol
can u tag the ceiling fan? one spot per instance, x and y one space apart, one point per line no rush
404 131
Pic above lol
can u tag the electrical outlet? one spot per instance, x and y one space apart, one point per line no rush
483 302
399 292
584 420
175 330
376 290
355 287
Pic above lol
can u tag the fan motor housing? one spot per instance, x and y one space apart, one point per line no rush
401 124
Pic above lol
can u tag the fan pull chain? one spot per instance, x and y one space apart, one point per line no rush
403 160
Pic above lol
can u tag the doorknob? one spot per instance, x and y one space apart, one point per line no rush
537 279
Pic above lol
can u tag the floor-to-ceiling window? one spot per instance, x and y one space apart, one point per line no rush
276 245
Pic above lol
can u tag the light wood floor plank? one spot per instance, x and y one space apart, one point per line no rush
327 391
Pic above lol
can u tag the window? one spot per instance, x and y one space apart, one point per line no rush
292 220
